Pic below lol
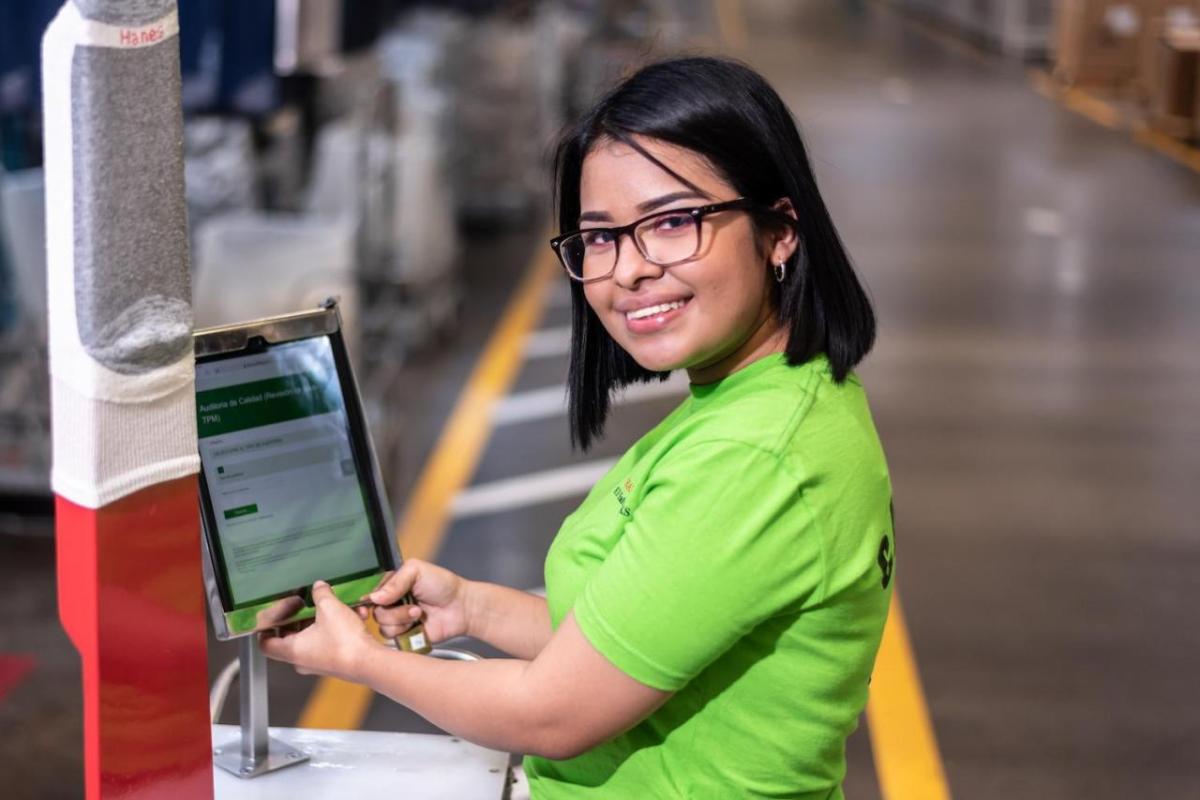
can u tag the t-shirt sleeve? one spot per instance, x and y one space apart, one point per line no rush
721 540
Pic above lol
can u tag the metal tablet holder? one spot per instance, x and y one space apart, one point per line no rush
259 753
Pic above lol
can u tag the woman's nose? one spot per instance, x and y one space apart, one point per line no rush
632 266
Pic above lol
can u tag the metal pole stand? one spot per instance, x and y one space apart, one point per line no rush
259 753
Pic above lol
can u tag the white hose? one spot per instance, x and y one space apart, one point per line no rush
220 689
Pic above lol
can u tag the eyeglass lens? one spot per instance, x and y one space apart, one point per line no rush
664 239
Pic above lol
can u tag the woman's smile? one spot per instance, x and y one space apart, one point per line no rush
651 314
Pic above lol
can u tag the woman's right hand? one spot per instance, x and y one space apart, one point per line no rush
440 595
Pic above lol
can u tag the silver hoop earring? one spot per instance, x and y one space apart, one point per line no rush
781 271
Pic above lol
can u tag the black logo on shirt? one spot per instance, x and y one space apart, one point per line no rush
622 494
887 560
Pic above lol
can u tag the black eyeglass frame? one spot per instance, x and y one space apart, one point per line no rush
697 214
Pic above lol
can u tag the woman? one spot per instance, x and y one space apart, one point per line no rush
714 606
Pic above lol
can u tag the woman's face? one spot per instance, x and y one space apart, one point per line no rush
714 313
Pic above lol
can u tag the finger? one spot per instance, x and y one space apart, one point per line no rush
294 627
397 615
387 576
398 585
278 612
323 595
363 612
392 631
280 648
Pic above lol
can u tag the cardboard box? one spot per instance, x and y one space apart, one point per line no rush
1175 97
1098 42
1159 15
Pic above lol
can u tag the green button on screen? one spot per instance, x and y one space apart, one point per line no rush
241 511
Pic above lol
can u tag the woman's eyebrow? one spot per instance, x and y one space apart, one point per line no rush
645 207
659 202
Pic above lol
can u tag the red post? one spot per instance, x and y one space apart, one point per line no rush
131 599
123 398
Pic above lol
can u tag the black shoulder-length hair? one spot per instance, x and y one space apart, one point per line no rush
727 113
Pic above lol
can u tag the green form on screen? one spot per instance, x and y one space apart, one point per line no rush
276 453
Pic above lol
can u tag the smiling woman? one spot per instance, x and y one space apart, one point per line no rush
714 606
713 311
705 130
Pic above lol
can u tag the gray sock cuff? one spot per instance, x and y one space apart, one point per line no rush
126 12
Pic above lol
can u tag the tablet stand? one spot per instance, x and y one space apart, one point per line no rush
259 753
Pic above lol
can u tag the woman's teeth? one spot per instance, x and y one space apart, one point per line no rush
650 311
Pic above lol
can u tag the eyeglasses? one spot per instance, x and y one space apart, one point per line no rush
666 238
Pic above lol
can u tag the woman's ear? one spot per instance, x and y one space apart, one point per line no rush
784 239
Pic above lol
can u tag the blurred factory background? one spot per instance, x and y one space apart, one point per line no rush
1018 182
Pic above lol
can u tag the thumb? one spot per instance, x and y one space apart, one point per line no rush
397 585
322 595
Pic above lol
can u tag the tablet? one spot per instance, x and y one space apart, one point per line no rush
290 491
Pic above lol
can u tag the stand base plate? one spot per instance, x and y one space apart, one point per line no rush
280 754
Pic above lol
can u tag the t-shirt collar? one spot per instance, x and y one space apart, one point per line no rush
702 391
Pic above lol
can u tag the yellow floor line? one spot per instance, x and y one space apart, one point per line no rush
466 432
905 750
1169 146
908 763
1082 102
339 705
1098 110
336 705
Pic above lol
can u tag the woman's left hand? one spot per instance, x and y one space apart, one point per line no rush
336 643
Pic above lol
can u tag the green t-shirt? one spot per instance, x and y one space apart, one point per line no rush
740 556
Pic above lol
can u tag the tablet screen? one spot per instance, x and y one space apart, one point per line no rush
275 448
